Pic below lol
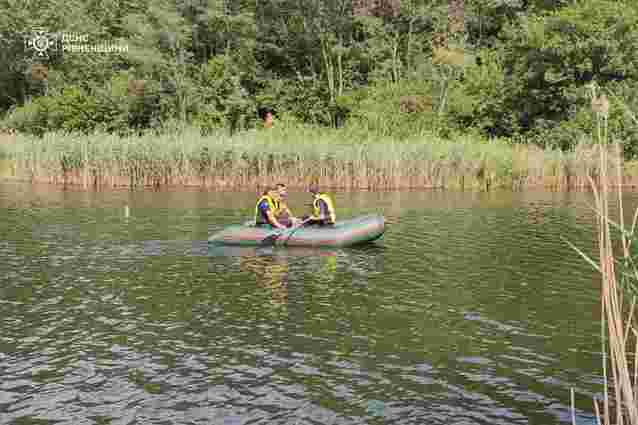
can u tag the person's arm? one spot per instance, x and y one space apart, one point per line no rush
323 210
265 209
273 220
294 220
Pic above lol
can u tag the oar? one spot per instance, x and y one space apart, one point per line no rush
294 229
272 239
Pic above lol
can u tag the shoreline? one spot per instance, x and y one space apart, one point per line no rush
630 184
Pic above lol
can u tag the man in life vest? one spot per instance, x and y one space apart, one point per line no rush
323 213
266 208
283 213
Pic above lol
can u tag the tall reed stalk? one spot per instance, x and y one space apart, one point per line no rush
617 322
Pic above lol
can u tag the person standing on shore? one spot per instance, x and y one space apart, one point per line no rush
268 120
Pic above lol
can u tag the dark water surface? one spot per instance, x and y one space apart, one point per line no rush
470 310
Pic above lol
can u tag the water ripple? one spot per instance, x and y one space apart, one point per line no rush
471 310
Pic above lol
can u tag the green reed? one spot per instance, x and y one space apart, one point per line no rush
336 158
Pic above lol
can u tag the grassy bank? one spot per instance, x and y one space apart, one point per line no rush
335 158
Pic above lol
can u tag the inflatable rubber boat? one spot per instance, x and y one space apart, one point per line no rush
344 233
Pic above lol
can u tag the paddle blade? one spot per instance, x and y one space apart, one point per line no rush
271 239
283 235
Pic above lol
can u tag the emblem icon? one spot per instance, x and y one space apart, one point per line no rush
41 42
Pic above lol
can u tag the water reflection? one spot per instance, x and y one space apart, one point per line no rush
271 267
271 273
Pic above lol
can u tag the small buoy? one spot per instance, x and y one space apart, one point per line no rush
126 211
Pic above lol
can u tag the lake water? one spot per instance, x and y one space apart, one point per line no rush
470 310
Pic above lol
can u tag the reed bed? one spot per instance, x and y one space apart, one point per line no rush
619 284
336 159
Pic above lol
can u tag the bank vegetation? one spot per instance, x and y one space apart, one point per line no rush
395 70
336 158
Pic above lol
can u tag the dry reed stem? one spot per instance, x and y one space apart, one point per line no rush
597 412
629 320
611 295
635 361
573 404
619 177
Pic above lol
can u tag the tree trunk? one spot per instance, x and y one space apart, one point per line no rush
456 18
409 42
329 67
340 68
395 59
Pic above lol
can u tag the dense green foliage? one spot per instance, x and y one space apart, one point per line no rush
519 69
